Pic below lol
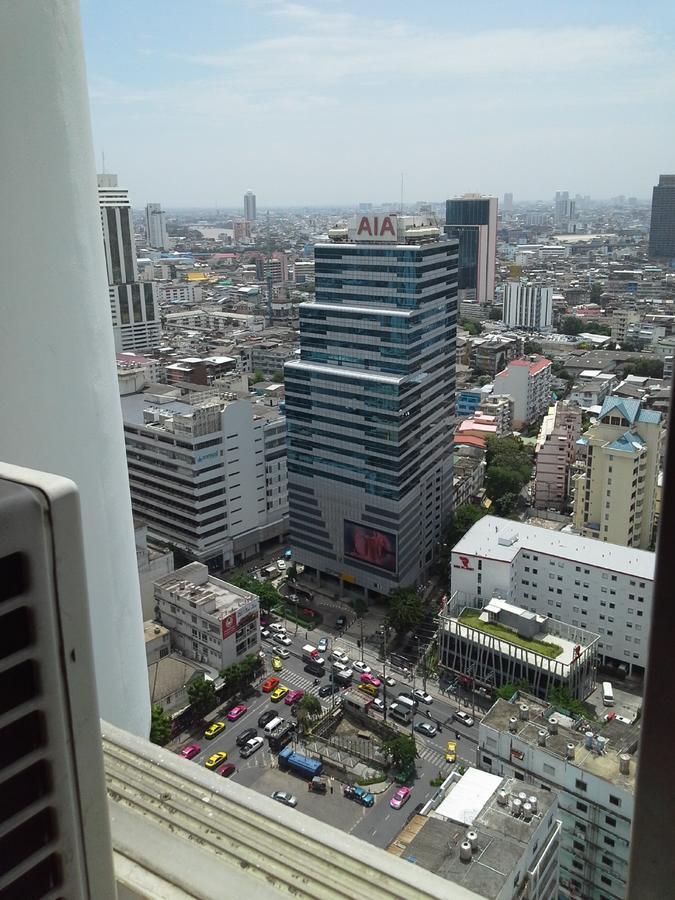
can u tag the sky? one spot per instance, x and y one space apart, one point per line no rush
325 102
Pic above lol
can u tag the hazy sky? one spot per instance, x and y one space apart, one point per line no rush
328 101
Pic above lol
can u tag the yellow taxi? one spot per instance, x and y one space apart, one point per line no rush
279 694
216 760
214 729
277 664
451 752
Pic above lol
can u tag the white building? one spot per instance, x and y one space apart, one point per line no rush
153 562
180 292
528 382
207 473
604 588
249 206
592 769
155 227
528 306
211 621
133 304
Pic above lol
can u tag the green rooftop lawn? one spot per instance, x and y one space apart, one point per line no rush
470 617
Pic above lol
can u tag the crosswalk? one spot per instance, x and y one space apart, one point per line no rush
432 756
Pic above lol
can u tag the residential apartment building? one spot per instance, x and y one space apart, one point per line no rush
155 227
615 491
468 474
528 382
267 356
555 455
528 305
207 472
180 292
621 319
591 387
491 353
603 588
370 402
211 621
591 768
472 220
501 408
133 305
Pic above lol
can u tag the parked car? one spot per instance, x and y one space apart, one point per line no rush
360 666
359 794
451 752
340 622
277 664
190 751
281 565
216 760
279 693
463 717
426 728
251 746
293 697
245 736
317 785
285 798
322 646
378 704
285 640
278 628
236 712
265 634
214 729
340 656
269 684
423 697
266 717
309 613
401 796
370 679
226 770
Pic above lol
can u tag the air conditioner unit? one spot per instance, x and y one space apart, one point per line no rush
54 828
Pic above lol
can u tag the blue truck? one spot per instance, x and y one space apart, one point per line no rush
301 765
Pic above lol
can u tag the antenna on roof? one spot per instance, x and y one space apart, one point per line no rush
103 162
401 193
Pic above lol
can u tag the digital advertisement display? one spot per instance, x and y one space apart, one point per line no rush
370 545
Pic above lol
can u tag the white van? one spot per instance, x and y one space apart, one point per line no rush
607 694
269 728
406 701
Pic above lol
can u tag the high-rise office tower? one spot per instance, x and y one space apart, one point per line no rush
662 226
133 305
565 212
249 206
369 404
472 219
507 205
155 225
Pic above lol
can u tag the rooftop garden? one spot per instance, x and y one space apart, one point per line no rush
471 618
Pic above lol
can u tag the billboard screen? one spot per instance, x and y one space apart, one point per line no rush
370 545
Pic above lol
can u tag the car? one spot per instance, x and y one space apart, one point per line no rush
265 634
281 565
278 628
216 759
269 684
408 700
340 656
340 622
251 746
285 640
401 797
360 666
190 751
423 697
293 697
451 752
245 736
226 770
624 719
426 728
236 712
214 729
328 690
281 652
309 613
285 798
266 717
389 681
359 794
277 664
345 674
378 704
464 718
322 646
279 693
370 679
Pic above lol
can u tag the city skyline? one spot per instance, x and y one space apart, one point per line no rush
287 92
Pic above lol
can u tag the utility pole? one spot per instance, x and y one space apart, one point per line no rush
384 673
424 670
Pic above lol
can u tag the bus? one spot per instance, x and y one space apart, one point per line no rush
607 694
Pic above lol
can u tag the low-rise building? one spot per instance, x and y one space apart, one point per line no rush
468 474
501 408
157 641
491 353
168 681
555 455
528 382
179 292
152 562
590 766
211 621
477 429
478 832
590 388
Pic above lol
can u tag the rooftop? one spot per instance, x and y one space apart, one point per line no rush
503 539
203 592
168 676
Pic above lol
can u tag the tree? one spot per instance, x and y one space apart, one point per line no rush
462 519
278 377
504 504
308 708
160 726
406 610
202 696
571 325
510 453
268 595
292 572
474 328
360 606
401 751
257 376
532 347
650 366
494 314
596 292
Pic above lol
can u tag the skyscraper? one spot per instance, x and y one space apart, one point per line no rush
507 204
565 212
528 305
369 404
132 303
155 225
662 226
472 219
249 206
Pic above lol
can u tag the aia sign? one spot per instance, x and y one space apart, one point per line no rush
377 227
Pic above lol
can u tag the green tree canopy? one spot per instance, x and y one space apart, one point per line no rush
160 726
308 708
462 519
202 696
474 328
401 751
257 376
494 314
406 610
572 325
268 595
510 453
650 366
532 347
